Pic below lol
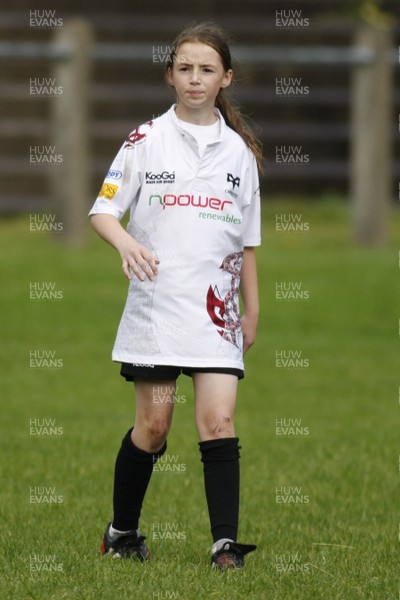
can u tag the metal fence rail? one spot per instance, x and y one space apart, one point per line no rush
142 52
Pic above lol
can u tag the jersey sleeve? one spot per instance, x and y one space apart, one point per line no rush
251 231
122 184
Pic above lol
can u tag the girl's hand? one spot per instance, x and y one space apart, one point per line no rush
138 259
135 257
249 329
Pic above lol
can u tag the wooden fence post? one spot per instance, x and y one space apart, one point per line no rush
70 182
372 94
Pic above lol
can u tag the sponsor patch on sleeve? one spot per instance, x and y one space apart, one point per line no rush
108 191
113 174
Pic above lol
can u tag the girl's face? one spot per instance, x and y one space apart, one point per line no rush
197 76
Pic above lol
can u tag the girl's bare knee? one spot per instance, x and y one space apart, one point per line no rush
157 429
218 426
150 434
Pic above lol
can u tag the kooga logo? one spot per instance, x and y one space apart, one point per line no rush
163 177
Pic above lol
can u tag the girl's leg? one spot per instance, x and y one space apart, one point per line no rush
154 408
140 449
215 395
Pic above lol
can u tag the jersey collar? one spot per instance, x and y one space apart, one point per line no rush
222 128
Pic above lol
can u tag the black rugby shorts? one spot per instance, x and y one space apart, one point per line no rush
167 373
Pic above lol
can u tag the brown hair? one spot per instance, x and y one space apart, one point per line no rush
215 37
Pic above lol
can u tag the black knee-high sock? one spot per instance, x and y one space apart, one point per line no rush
133 469
221 480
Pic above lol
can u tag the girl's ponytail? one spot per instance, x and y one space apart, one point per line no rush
238 123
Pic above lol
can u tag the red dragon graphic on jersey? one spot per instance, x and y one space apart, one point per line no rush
224 312
136 136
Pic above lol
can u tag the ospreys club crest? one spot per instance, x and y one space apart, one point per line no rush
224 312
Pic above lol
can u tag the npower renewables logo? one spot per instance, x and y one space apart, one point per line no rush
184 200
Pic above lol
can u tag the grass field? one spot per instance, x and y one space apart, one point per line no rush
330 532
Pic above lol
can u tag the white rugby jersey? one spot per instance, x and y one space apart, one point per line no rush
195 214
